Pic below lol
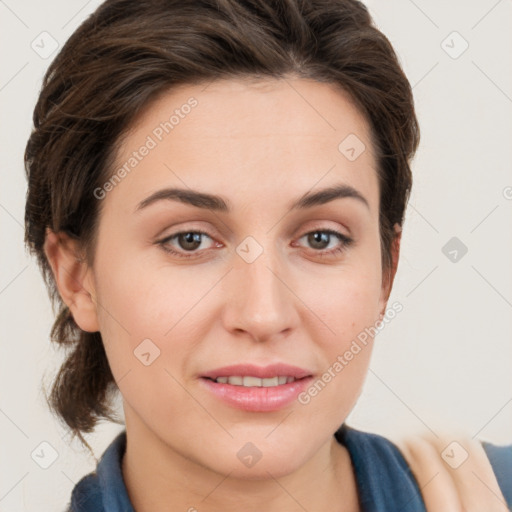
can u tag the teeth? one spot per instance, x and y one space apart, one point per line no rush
269 382
250 382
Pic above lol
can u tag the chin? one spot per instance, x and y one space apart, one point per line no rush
257 461
263 469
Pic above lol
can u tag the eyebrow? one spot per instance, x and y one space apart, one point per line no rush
217 203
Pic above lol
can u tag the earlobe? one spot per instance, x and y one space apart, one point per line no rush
73 279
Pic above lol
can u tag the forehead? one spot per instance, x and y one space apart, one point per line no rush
245 107
248 134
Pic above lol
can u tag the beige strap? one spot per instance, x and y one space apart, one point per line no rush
453 473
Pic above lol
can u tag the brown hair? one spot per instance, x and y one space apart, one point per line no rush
125 54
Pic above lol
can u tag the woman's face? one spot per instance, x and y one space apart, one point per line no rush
267 284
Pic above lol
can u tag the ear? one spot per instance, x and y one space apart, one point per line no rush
73 278
389 276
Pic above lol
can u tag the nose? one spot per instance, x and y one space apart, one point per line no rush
260 300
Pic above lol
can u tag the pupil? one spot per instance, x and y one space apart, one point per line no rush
191 238
319 237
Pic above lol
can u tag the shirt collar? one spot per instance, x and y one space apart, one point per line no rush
110 477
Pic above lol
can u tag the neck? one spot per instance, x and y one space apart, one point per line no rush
158 479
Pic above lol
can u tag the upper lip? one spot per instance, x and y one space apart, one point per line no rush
263 372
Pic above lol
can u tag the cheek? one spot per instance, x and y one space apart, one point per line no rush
147 308
346 301
140 319
136 296
348 308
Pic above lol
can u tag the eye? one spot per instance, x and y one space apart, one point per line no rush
188 241
321 238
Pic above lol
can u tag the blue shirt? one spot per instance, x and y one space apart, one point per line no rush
384 479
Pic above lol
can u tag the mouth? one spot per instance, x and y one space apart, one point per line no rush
250 381
257 389
248 374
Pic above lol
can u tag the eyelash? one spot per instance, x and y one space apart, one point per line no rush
345 243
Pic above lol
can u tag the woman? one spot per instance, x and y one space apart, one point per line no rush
216 195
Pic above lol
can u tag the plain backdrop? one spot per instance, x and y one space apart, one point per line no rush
444 360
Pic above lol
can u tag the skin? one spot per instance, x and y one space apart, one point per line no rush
260 146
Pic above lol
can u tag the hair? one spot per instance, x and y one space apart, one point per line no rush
128 52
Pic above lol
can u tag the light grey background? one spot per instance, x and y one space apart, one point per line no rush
444 360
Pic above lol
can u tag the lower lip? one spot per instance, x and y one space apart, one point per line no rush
257 399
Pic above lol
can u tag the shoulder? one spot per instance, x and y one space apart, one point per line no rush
369 447
430 471
384 478
86 495
500 458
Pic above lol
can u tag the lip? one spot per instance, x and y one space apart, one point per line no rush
257 399
262 372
